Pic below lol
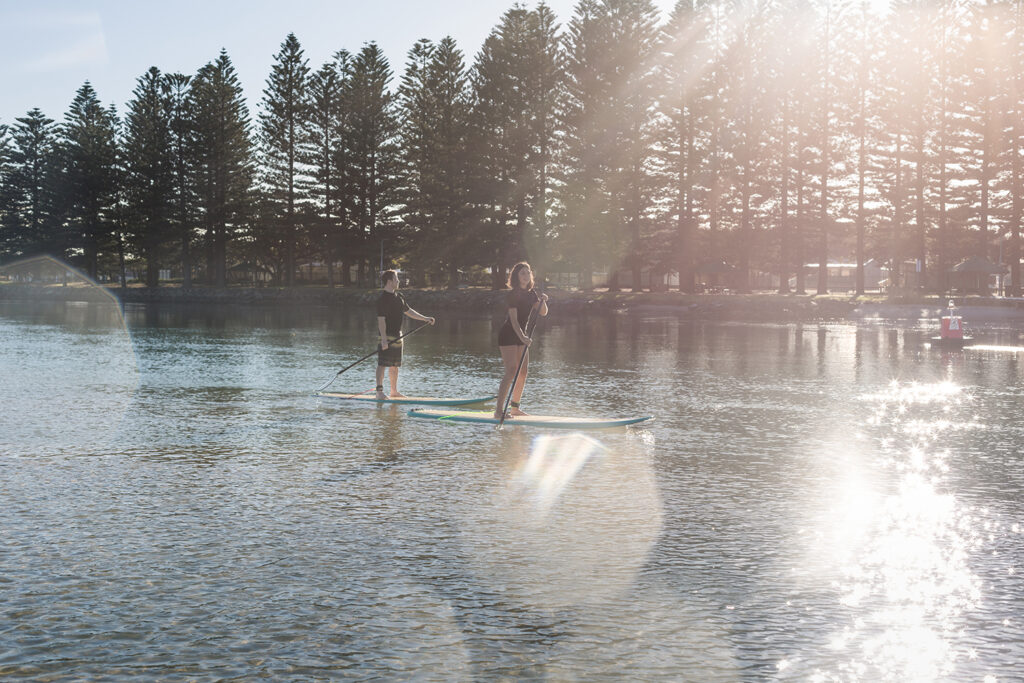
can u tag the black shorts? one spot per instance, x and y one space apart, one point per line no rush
392 357
508 337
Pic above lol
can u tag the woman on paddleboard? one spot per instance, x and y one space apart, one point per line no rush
512 340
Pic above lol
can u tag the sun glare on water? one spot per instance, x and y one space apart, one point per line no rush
905 581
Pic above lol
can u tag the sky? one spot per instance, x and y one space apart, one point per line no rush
49 48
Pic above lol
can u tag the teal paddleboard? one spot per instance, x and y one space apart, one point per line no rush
487 417
415 400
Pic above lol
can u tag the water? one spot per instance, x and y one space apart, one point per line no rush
813 502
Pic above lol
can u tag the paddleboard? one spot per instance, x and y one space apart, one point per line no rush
420 400
487 417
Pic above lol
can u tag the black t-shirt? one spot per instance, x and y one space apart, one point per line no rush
522 300
392 307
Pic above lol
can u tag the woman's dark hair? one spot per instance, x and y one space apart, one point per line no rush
513 277
387 276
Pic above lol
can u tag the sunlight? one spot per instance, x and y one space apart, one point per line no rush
552 464
908 579
567 527
880 7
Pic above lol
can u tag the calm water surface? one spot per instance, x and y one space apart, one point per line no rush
813 502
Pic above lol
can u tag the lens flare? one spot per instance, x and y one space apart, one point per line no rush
74 351
552 464
573 523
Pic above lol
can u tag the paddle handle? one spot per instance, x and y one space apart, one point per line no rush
371 353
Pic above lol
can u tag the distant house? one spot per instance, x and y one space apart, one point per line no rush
648 279
975 274
714 276
843 276
248 272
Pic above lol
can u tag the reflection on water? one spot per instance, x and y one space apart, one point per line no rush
814 502
907 582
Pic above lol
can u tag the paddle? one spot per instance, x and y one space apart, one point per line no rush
522 359
401 336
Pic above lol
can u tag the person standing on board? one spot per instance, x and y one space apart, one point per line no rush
391 308
512 336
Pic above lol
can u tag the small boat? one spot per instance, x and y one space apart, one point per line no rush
414 400
487 417
951 334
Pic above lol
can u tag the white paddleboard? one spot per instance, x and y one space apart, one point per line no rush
487 417
420 400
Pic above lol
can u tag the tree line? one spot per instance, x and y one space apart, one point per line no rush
763 133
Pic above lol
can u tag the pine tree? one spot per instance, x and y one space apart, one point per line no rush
680 103
29 223
416 137
634 40
323 151
983 119
434 99
89 144
750 74
183 152
516 85
372 133
149 180
224 155
861 34
547 91
607 125
786 132
1015 144
283 122
7 210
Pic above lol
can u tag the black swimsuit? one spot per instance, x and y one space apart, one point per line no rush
522 300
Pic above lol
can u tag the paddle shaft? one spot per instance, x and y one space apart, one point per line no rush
352 365
522 359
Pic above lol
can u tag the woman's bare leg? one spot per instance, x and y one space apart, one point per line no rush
517 393
510 359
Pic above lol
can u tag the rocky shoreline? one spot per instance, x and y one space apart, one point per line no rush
762 307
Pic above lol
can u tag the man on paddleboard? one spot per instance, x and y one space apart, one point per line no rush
391 309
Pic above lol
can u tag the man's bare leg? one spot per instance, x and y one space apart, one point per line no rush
394 383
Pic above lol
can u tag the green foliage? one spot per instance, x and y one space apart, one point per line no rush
184 158
763 134
224 161
436 138
149 171
517 85
283 125
91 178
323 150
29 206
373 157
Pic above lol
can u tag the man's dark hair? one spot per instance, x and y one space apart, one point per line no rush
387 276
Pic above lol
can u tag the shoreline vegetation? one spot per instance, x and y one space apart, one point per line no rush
757 307
614 140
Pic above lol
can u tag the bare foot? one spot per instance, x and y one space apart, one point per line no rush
381 396
398 394
516 412
497 415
